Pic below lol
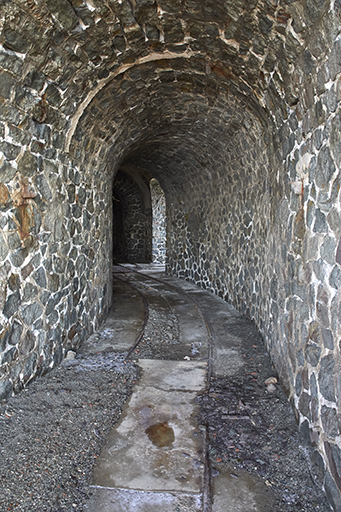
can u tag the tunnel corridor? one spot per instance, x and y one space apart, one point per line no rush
233 106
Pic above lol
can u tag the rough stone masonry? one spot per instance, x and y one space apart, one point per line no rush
234 107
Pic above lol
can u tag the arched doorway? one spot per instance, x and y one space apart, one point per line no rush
132 218
159 222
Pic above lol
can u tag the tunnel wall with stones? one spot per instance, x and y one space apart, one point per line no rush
234 107
132 240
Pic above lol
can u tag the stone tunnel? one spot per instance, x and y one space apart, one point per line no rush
233 106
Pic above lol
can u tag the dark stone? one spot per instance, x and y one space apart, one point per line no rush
314 404
327 250
327 337
40 277
30 366
43 187
48 264
310 213
322 314
335 142
305 379
16 332
335 277
80 264
28 165
31 313
317 467
173 31
14 282
119 43
53 96
44 297
11 63
35 80
81 194
6 389
308 62
334 458
86 220
9 150
326 377
7 83
76 211
71 190
64 12
53 282
27 344
312 353
58 355
36 221
4 337
265 24
50 306
14 241
320 225
58 229
16 41
338 253
59 264
3 248
305 431
319 269
12 304
335 59
304 405
325 168
30 292
329 421
333 493
7 172
9 355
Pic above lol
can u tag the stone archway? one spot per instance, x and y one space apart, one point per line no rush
132 223
159 222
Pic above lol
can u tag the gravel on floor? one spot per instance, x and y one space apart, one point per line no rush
252 427
52 432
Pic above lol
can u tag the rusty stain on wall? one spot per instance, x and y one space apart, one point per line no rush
4 195
24 212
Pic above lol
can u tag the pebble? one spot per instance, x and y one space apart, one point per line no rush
271 388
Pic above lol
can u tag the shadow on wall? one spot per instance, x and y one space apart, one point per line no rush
132 218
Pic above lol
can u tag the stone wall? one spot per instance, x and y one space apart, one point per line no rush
159 222
132 222
234 107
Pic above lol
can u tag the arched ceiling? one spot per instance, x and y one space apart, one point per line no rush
79 59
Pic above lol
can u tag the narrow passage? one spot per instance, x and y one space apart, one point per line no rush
172 405
208 427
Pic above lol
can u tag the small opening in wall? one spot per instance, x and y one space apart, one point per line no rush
159 222
132 218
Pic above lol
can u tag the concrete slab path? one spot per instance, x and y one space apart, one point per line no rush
155 458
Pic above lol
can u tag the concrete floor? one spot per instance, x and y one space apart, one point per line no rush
154 458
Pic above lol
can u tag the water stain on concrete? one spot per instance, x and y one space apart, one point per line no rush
161 434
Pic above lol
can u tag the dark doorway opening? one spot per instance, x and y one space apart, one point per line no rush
132 217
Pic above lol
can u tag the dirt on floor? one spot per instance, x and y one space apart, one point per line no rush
252 428
52 432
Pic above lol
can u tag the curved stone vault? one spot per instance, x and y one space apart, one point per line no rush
234 107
